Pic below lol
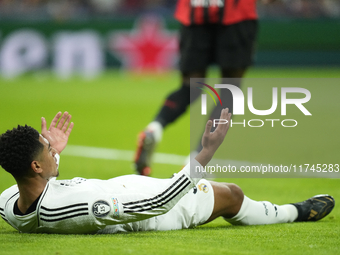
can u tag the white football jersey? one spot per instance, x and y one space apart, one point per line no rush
89 205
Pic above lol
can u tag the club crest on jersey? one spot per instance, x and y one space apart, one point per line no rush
101 208
203 187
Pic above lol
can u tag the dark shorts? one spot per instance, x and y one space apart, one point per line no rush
229 46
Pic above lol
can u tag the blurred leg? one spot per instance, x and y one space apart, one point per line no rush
195 47
177 102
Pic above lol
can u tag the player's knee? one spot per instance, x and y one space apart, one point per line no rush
228 200
236 194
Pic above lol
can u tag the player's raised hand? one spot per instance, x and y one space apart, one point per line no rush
212 140
59 130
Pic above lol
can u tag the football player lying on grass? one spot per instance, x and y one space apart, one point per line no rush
41 204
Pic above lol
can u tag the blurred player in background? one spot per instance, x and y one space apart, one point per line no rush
214 31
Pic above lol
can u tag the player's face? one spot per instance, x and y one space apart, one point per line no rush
48 160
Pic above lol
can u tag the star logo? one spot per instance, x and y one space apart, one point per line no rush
148 47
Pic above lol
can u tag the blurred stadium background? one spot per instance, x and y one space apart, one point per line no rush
111 62
91 35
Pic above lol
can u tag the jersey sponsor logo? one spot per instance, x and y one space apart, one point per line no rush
206 3
101 208
203 187
115 207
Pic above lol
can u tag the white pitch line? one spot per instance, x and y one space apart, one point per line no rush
115 154
161 158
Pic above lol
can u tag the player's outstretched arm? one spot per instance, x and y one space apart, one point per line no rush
212 140
59 130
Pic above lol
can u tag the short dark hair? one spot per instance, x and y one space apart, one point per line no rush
18 148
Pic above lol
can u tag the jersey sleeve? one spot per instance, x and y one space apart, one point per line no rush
3 200
6 210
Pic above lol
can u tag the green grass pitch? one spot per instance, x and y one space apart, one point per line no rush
111 110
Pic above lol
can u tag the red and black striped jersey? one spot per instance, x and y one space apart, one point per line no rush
225 12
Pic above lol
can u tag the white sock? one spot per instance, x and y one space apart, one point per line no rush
263 212
157 130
